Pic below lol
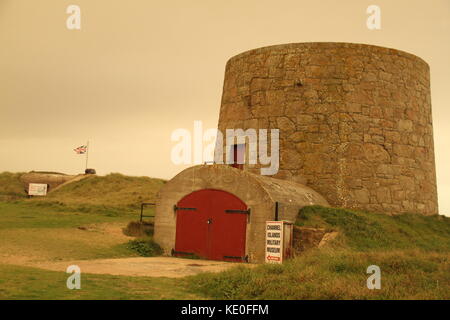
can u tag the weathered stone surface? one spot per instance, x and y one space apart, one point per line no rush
306 238
362 196
375 153
405 125
327 238
358 117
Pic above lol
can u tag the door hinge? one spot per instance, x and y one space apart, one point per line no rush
175 208
182 253
238 211
244 259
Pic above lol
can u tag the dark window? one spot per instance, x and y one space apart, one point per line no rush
238 156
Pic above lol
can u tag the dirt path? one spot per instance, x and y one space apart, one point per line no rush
57 248
142 267
25 246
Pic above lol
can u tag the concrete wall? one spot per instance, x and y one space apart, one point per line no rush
54 180
355 120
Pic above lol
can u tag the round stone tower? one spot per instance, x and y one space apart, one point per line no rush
355 120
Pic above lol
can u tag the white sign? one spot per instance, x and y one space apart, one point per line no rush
274 241
37 189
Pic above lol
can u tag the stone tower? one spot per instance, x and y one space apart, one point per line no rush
355 120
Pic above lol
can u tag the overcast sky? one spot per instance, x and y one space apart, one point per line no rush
139 69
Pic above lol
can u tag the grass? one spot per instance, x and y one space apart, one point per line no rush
140 228
31 283
145 247
411 251
43 232
364 231
413 256
10 186
21 214
93 193
72 224
113 190
144 244
331 274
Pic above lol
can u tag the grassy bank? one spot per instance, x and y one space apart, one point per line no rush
334 274
84 220
411 251
19 214
11 187
113 190
44 232
94 193
29 232
363 231
31 283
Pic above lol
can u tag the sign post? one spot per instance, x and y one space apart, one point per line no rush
274 237
278 241
87 155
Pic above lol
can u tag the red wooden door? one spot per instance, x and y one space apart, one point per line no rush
212 225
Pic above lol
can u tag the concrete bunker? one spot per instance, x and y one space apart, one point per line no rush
219 212
51 179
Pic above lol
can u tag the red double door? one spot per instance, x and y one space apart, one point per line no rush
211 224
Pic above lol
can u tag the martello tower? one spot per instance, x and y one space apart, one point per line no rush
355 120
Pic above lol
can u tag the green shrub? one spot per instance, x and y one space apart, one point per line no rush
139 229
145 247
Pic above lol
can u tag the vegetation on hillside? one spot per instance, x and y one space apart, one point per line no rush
11 187
412 252
43 232
113 190
52 233
95 199
363 231
92 193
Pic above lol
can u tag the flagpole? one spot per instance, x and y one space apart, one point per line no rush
87 154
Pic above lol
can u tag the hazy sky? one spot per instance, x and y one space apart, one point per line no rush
137 70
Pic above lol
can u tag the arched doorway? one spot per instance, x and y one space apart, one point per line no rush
211 224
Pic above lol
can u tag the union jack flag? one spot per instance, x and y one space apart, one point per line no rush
80 150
